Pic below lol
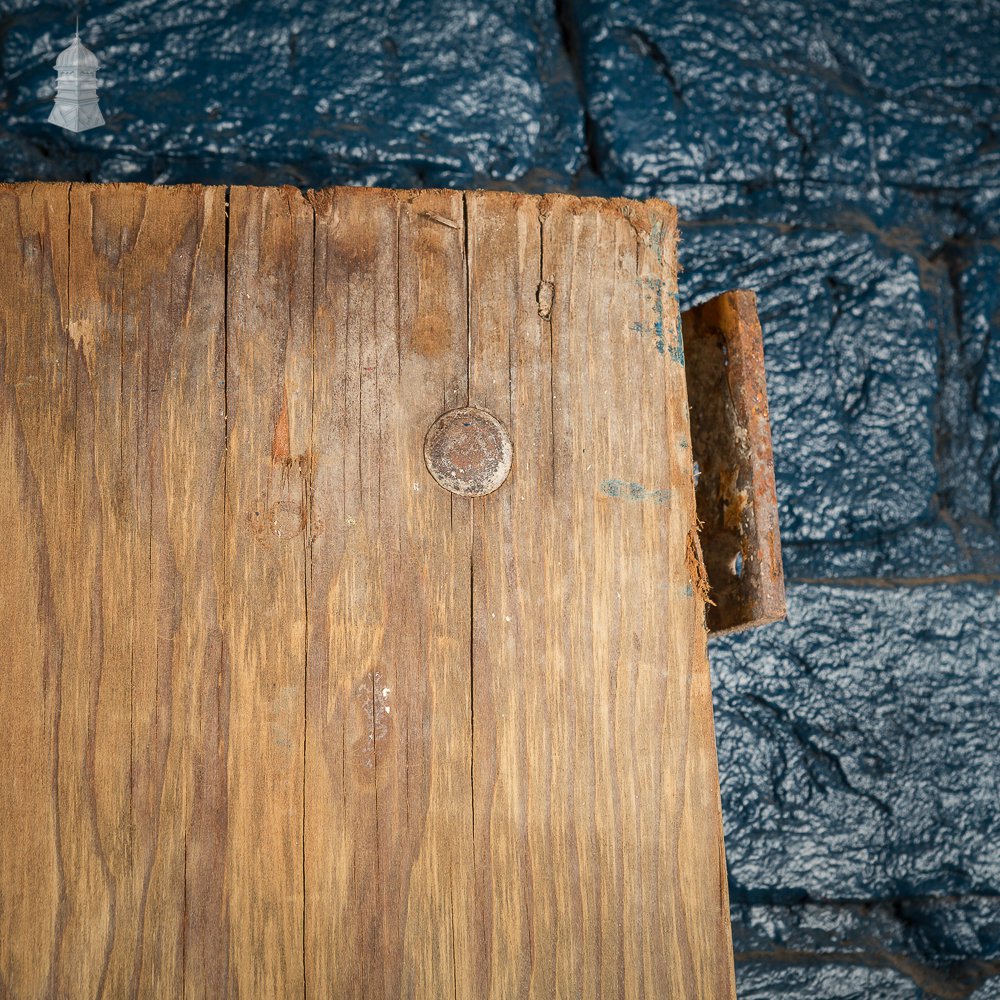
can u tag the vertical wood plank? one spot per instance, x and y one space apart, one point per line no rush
118 398
147 295
355 320
185 326
126 589
268 484
600 872
511 375
37 465
388 808
435 747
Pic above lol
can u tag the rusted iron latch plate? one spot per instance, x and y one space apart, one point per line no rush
731 439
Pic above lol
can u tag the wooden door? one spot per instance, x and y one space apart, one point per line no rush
282 715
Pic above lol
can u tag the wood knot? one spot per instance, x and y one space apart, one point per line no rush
544 296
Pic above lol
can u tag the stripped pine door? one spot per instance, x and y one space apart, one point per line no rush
284 716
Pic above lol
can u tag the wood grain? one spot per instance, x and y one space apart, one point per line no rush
388 803
285 717
112 316
268 474
597 815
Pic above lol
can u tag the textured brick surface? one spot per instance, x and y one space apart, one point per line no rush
858 746
856 95
421 94
841 159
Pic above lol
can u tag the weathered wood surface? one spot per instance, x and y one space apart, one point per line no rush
731 433
284 718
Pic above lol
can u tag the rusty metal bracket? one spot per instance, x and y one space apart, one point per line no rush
731 441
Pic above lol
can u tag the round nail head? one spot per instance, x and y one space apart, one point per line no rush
468 452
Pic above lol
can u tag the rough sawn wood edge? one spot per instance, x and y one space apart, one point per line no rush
736 500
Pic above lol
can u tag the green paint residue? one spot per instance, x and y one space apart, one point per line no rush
636 492
656 240
675 349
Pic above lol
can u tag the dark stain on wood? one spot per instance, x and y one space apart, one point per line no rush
731 439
